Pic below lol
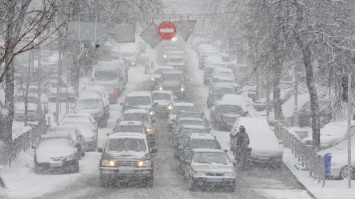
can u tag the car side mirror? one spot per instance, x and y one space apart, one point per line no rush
100 150
225 150
154 150
34 147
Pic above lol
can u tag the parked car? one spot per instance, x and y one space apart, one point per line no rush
20 91
126 157
339 160
263 142
222 74
32 105
155 78
112 92
76 135
95 105
216 92
174 81
98 90
82 119
198 141
177 107
66 93
163 101
200 174
87 134
332 134
208 70
111 72
56 152
225 112
139 100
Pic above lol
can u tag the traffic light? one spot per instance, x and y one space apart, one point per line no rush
344 85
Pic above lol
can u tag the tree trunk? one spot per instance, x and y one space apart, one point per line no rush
9 99
277 66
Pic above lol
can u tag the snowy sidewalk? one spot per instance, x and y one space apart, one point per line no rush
333 189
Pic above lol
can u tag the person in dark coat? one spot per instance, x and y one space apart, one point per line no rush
242 147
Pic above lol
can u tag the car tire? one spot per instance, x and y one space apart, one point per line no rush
344 173
76 168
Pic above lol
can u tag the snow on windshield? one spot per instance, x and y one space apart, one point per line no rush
124 145
210 158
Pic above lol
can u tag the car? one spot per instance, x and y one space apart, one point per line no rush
140 115
174 81
177 62
199 173
111 72
56 152
112 92
126 157
98 90
76 135
216 92
20 91
339 160
224 112
66 92
135 127
180 135
263 142
177 107
163 101
193 114
187 121
208 70
87 134
222 74
325 113
331 134
95 105
139 100
81 118
155 78
198 141
32 105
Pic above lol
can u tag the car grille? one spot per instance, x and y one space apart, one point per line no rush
126 163
172 88
214 174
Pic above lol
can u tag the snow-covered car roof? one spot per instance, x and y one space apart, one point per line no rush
208 151
173 72
163 91
202 136
164 67
94 88
136 111
130 123
233 99
214 58
183 104
89 95
193 127
138 93
127 135
176 56
222 85
191 119
223 69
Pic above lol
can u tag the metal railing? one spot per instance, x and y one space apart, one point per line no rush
310 160
10 151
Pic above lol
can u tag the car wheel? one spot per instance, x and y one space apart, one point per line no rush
76 168
105 182
344 173
191 185
150 182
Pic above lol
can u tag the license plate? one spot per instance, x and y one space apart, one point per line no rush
126 171
57 164
215 180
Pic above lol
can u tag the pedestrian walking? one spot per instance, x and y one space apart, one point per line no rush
242 147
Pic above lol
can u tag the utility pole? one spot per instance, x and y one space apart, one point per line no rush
295 110
39 103
59 81
349 129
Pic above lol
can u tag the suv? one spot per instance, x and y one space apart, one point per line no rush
173 80
198 141
216 92
134 127
193 114
163 101
139 100
140 115
177 107
118 162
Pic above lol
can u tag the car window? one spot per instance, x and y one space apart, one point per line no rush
210 157
125 145
89 104
138 100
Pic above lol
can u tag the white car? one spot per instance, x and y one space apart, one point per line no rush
82 119
177 62
339 160
263 142
98 90
331 134
222 74
87 133
177 107
164 101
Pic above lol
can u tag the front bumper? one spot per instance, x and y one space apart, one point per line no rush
214 181
125 172
66 165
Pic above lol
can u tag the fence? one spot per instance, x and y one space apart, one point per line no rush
10 151
308 157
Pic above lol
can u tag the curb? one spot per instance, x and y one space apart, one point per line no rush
302 185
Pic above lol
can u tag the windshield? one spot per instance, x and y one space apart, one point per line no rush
224 74
48 143
222 91
161 96
207 157
159 71
138 100
186 131
177 109
135 117
230 109
208 144
89 104
128 128
106 75
176 60
191 122
172 77
126 145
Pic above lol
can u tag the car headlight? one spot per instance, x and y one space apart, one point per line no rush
229 174
150 130
144 163
182 88
199 173
170 107
132 63
165 56
152 113
108 163
161 87
152 79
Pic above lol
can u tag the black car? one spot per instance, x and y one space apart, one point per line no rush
174 81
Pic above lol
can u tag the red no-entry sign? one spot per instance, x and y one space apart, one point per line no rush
166 30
